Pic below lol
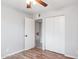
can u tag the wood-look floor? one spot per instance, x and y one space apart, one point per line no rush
36 53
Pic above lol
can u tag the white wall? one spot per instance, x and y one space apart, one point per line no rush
12 30
71 32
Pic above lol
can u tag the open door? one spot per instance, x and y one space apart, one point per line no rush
29 33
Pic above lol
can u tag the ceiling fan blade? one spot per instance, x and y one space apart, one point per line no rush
42 3
29 5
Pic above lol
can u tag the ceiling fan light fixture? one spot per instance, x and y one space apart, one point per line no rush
32 1
29 5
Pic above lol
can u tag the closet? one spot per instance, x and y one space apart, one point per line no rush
54 34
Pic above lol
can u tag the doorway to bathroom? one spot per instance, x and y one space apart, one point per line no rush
38 33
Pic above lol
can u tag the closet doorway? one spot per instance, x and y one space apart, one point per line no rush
38 33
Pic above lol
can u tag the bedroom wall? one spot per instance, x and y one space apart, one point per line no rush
12 30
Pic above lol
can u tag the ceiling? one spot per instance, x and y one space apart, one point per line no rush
36 8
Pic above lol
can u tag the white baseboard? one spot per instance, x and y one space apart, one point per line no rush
67 55
28 48
71 56
13 53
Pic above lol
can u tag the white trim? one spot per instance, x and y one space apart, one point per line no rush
29 48
13 53
70 56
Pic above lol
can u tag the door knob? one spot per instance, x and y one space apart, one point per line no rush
25 35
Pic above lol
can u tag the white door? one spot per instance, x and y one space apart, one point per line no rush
29 33
55 34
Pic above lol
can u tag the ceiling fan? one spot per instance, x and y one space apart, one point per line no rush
41 2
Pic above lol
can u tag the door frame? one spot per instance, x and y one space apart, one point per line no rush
43 29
